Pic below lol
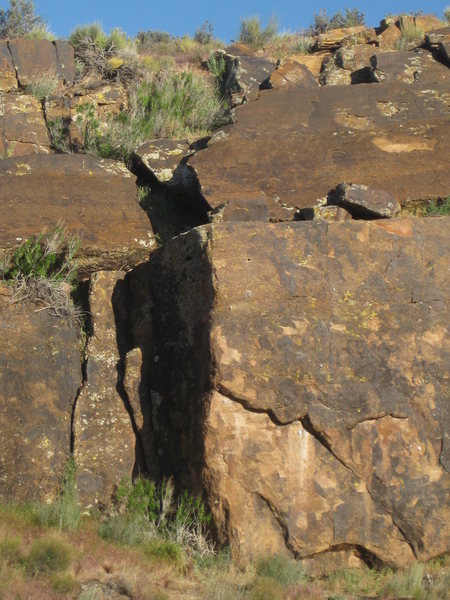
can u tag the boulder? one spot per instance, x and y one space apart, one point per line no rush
310 397
162 157
104 440
423 22
290 74
335 38
22 126
439 41
323 212
35 57
244 73
296 145
313 62
40 374
389 38
95 198
8 80
408 67
363 202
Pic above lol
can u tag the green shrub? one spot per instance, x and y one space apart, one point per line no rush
411 36
204 34
322 22
10 550
43 269
166 550
19 19
447 14
58 131
41 32
440 208
47 256
265 588
284 570
253 35
303 45
112 56
409 584
43 84
65 512
48 554
63 583
147 513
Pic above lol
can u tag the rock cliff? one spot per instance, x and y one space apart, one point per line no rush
264 311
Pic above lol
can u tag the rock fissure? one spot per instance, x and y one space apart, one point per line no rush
13 64
224 391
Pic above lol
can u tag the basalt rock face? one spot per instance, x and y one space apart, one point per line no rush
40 375
308 384
295 145
95 198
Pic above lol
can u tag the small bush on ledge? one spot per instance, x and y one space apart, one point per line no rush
43 269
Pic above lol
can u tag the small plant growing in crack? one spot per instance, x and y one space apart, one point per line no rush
43 270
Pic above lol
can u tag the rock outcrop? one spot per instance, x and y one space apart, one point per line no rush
295 145
95 198
40 375
310 393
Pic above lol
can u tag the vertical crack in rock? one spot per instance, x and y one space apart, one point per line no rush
320 437
14 65
85 332
278 517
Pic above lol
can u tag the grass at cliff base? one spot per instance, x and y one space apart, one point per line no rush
38 561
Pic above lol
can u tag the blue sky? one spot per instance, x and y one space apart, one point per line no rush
179 17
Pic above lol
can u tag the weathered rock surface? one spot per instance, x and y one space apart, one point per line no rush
290 74
311 389
350 64
35 57
439 40
409 67
8 80
162 157
23 129
389 36
95 198
244 73
40 374
335 38
363 202
104 440
297 145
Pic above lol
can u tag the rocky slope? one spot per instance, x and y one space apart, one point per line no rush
282 356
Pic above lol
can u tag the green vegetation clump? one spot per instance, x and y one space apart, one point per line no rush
48 256
43 84
19 19
41 32
282 569
10 550
447 14
412 36
48 554
303 45
165 104
204 34
113 56
441 208
322 22
253 35
151 515
43 270
65 512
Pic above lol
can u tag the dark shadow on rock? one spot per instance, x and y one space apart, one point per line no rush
121 307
